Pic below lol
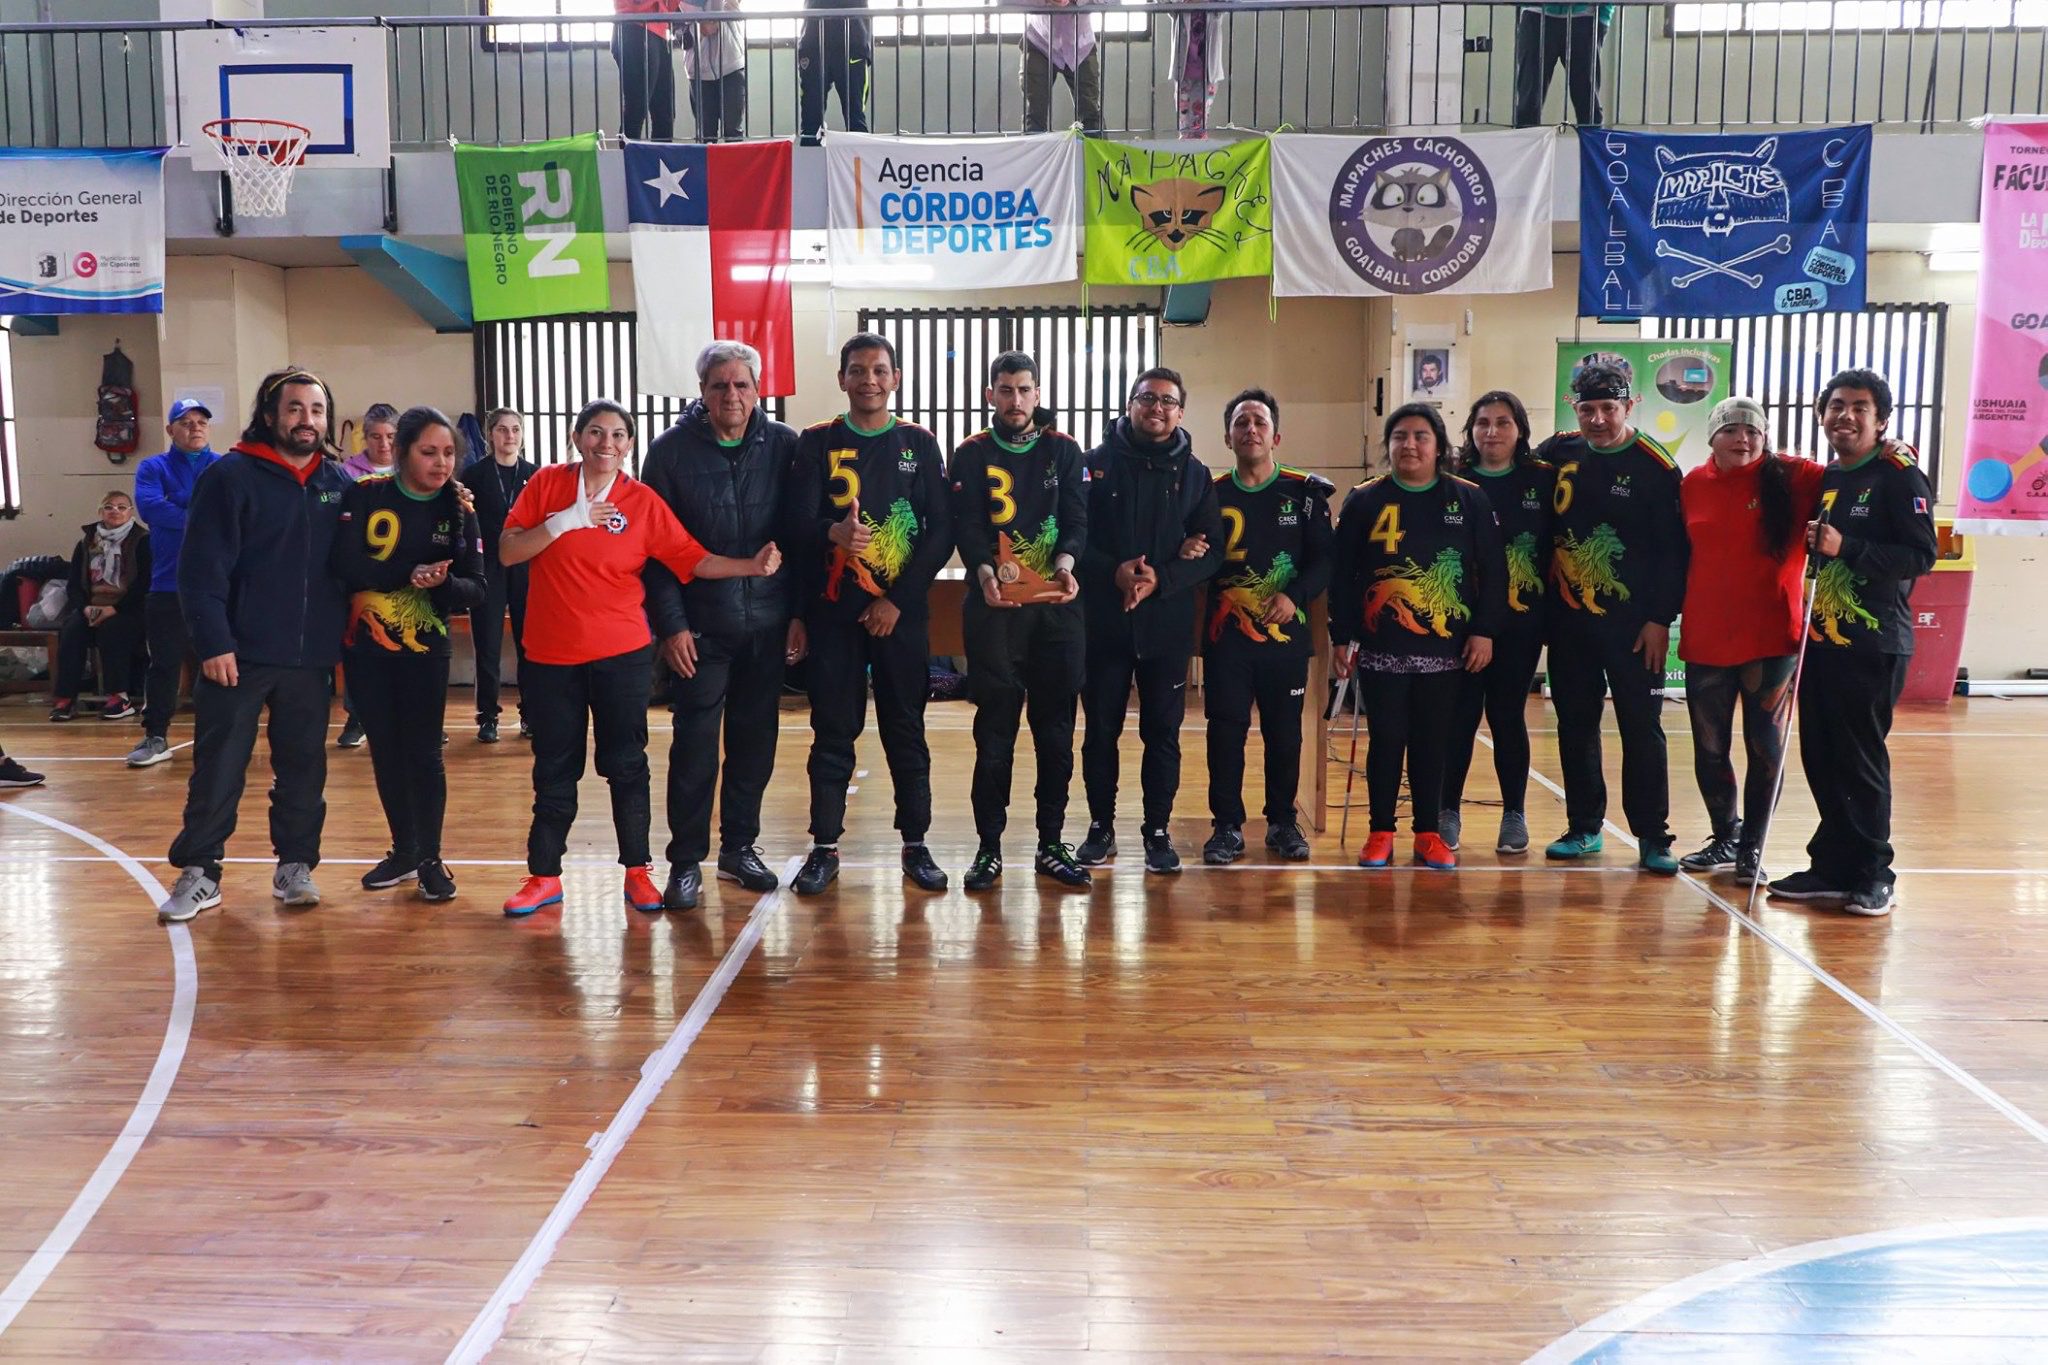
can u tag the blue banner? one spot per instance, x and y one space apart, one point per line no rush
1722 225
81 231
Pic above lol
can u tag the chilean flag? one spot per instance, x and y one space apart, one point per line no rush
710 231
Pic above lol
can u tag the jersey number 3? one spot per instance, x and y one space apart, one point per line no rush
1002 488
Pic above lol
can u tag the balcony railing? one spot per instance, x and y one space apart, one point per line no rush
1307 65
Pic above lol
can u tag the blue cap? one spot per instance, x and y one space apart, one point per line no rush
185 405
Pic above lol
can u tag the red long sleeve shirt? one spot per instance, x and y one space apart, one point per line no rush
1741 601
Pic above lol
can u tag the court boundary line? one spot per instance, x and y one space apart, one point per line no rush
148 1106
661 1065
88 758
1926 1051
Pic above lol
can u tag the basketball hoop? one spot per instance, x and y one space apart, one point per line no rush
261 155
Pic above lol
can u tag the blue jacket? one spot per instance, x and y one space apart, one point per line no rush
163 490
253 579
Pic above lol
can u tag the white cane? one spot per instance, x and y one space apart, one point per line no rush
1351 765
1790 705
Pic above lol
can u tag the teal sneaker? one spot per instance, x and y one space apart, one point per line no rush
1656 858
1569 845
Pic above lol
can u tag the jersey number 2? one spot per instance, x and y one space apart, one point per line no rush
1233 548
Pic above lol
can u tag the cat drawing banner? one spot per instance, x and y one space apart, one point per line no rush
2005 444
1467 214
1722 225
953 213
1177 213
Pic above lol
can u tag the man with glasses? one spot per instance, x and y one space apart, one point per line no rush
1148 499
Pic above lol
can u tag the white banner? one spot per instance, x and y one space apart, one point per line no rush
81 231
953 213
1430 214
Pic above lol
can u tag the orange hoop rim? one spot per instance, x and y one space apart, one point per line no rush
285 148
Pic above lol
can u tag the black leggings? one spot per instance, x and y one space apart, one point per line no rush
1501 692
400 699
1711 693
564 702
1407 715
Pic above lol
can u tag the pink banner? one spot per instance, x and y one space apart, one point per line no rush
2005 447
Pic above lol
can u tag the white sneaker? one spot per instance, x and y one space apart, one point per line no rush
194 892
292 883
153 749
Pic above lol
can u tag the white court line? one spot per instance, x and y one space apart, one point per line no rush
184 1001
75 758
1927 1053
490 1322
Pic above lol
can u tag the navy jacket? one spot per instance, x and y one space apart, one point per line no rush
1145 500
253 579
731 501
163 491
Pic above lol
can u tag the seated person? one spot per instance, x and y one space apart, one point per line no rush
109 582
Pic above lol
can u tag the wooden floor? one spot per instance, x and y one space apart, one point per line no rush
1245 1113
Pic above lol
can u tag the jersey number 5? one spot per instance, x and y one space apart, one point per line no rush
1233 548
381 534
844 477
1002 486
1386 529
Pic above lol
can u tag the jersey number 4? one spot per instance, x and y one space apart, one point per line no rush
1386 529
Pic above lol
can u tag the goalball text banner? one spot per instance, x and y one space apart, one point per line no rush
2005 445
953 213
1466 214
533 229
1722 225
1177 213
81 231
710 235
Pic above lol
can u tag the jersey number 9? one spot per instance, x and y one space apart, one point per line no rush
381 534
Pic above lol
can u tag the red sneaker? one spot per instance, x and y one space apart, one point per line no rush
533 894
1378 850
641 892
1432 851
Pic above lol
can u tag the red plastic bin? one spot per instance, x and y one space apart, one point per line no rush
1941 608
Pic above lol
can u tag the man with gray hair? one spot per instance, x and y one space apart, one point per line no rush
722 469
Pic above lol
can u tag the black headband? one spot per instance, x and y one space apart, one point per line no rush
1596 386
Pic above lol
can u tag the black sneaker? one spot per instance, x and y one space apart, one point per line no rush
744 865
12 774
1717 856
820 870
1098 847
920 870
61 712
1749 864
436 884
1872 901
1159 852
351 735
389 873
685 885
1056 860
1288 841
1225 847
987 869
1806 886
487 732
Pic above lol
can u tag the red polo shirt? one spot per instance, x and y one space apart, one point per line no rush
1741 601
584 600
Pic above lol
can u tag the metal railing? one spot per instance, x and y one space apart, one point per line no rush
1307 65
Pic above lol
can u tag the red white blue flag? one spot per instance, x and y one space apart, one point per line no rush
710 233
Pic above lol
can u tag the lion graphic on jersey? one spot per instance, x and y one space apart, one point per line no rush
1522 571
1834 597
888 551
1584 569
395 620
1415 594
1244 600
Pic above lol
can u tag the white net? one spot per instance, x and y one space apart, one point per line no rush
261 156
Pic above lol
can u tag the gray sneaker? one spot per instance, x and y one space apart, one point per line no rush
1514 834
194 892
292 883
154 749
1449 825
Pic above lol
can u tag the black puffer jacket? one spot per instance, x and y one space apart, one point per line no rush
1145 499
731 500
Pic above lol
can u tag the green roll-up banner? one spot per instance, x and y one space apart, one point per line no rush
533 229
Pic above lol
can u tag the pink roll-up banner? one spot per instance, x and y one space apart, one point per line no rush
2005 447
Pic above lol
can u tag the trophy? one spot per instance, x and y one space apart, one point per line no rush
1018 582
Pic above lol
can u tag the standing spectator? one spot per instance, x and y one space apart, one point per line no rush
1548 34
107 591
496 483
589 529
835 53
1149 499
715 64
266 618
647 72
1874 537
379 454
723 469
1745 515
1062 44
163 490
410 555
1199 40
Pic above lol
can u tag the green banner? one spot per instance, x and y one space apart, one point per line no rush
1676 385
1178 215
533 229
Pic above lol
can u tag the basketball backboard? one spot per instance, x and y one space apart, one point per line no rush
331 80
